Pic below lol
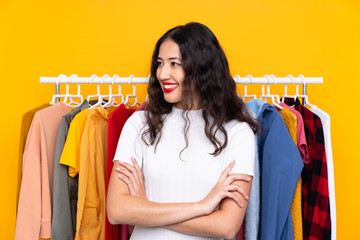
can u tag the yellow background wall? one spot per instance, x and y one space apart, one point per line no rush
313 38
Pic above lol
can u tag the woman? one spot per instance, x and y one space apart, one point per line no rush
193 134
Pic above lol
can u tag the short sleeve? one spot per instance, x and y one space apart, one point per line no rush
130 143
241 148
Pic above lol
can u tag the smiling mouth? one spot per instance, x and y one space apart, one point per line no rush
169 87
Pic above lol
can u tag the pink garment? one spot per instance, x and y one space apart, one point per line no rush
34 209
301 140
142 106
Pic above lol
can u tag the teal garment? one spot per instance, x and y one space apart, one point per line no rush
280 169
65 188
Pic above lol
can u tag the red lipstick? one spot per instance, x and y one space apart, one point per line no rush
169 87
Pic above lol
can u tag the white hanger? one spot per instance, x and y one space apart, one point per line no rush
268 95
245 87
305 97
147 95
109 103
55 96
69 96
112 100
285 91
98 95
132 95
297 95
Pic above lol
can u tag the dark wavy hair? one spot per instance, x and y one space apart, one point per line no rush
207 76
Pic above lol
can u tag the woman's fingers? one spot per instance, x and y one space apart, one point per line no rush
227 170
128 183
235 187
131 169
236 176
138 169
235 198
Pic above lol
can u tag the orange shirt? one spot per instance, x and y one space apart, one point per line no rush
90 219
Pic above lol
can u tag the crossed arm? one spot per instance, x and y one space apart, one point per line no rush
127 204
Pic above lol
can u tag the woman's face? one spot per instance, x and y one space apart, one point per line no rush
170 72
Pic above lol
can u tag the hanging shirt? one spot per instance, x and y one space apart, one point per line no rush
34 211
90 219
315 193
301 138
117 120
325 120
25 126
71 153
64 187
252 216
281 165
290 120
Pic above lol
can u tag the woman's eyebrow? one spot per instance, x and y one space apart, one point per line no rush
172 58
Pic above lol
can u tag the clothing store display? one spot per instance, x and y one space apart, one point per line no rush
64 187
34 211
25 126
117 120
66 156
315 193
325 120
171 173
281 165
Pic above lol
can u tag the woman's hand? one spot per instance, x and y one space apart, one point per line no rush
223 189
132 176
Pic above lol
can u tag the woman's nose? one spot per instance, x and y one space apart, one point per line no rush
163 72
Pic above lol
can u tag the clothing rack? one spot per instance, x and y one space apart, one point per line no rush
106 79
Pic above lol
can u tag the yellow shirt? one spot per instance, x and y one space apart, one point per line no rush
71 153
290 120
90 219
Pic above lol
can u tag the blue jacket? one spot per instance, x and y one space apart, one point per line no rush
280 168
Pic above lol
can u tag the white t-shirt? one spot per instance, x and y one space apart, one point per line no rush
169 178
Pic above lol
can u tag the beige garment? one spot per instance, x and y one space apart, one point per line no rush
34 210
25 126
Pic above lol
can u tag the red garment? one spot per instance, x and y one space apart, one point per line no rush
315 192
241 234
117 120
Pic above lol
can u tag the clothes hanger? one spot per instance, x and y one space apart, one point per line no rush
109 103
72 103
245 87
132 95
297 95
112 97
56 97
268 95
98 95
292 80
305 97
147 95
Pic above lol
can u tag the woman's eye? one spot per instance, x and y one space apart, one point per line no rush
175 64
159 63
